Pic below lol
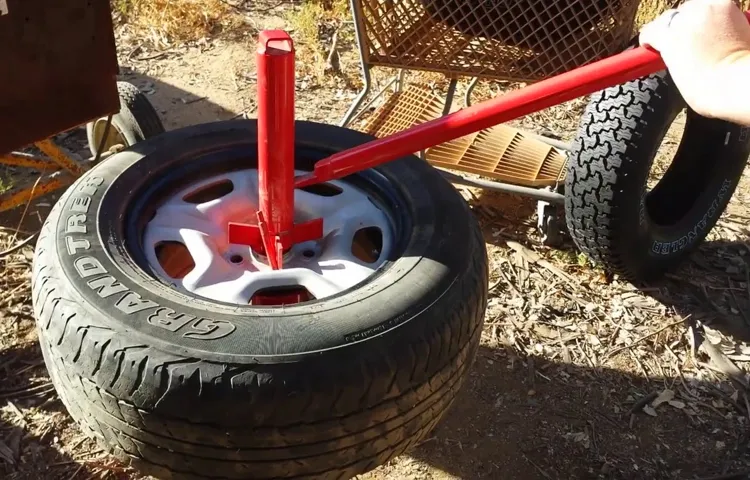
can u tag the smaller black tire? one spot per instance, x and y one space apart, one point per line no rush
136 121
610 213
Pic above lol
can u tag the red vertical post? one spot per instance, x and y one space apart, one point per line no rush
275 63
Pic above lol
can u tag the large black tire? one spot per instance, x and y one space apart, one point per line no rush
612 217
136 121
187 388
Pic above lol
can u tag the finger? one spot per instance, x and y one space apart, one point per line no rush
655 33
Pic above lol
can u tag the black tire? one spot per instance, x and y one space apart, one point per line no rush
611 216
187 388
136 121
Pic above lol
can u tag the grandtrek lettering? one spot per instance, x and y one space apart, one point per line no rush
665 248
201 329
88 266
168 319
75 244
75 223
207 329
106 286
131 302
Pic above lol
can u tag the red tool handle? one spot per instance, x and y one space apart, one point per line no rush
585 80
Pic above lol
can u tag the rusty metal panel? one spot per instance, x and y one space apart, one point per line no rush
58 67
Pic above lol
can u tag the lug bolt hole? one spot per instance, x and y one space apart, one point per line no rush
308 253
236 259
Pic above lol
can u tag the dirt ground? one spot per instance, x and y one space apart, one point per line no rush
579 375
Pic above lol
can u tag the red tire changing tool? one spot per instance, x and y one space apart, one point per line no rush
275 231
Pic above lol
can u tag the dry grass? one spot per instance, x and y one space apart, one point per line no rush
650 9
317 30
166 22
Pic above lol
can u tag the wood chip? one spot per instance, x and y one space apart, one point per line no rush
665 396
724 364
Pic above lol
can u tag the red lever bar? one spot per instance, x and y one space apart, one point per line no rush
585 80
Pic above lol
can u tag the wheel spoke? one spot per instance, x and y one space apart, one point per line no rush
212 274
182 216
239 205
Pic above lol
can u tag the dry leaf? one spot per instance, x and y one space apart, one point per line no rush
663 397
649 410
579 437
677 404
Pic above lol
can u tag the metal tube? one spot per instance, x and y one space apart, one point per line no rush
27 161
469 91
60 156
535 193
553 142
275 60
350 118
449 96
366 77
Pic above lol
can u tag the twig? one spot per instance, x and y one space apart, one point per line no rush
638 406
330 65
194 100
76 472
720 393
545 474
236 7
729 476
155 55
19 414
26 207
617 350
19 245
268 9
640 365
14 230
725 365
32 389
133 52
507 279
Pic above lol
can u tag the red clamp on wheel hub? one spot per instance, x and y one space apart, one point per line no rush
275 232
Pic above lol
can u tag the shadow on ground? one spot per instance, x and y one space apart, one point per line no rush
528 418
35 430
712 286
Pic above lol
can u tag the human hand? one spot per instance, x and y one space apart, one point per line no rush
704 44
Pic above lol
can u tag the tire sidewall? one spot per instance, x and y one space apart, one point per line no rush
660 248
637 245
